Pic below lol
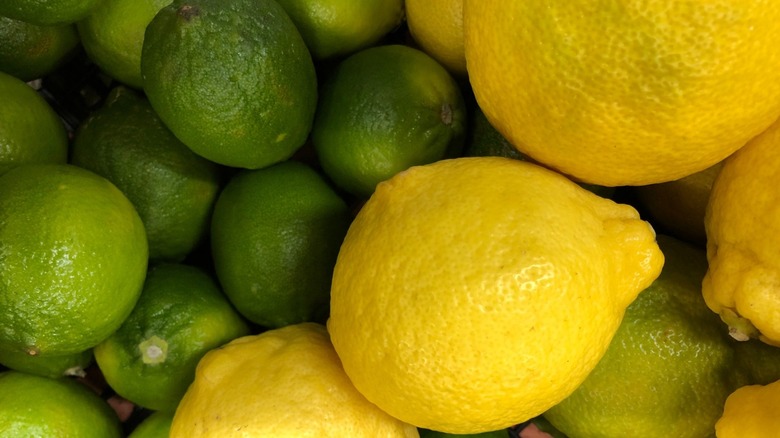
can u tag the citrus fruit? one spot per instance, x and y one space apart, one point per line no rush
49 366
30 130
113 35
29 51
383 110
333 28
483 140
156 425
425 433
759 361
678 206
628 93
36 406
751 412
286 382
181 314
172 188
741 220
48 11
473 294
73 257
437 26
669 368
275 235
233 81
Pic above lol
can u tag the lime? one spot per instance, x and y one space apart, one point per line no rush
233 80
73 254
30 130
156 425
49 366
29 51
383 110
171 187
275 235
48 11
36 406
426 433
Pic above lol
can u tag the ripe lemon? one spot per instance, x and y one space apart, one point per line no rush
333 28
629 92
383 110
74 258
741 222
234 81
36 406
751 412
181 314
48 11
437 26
30 130
29 51
473 294
669 368
156 425
172 188
113 34
286 382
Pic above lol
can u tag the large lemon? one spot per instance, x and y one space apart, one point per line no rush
625 92
472 294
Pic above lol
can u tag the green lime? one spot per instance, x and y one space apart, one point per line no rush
36 406
484 140
340 27
30 130
48 11
74 257
426 433
758 360
383 110
669 367
171 187
113 35
72 364
29 51
233 80
156 425
275 235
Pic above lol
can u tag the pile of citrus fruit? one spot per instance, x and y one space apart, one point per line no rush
389 218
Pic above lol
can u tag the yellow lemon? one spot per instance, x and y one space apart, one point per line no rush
286 382
743 247
751 412
472 294
625 92
437 26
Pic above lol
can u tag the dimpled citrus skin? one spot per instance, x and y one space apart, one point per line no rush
474 293
286 382
751 412
438 27
743 248
625 92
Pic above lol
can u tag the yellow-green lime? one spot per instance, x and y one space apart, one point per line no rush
334 28
73 259
233 80
383 110
275 235
36 406
30 51
669 367
48 11
172 188
150 360
30 130
72 364
156 425
113 35
759 361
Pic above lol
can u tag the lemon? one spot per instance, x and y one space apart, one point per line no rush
473 294
113 34
36 406
234 81
30 130
437 26
181 314
275 234
72 364
286 382
48 11
383 110
29 51
74 258
156 425
669 368
625 92
172 188
333 28
751 412
742 243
